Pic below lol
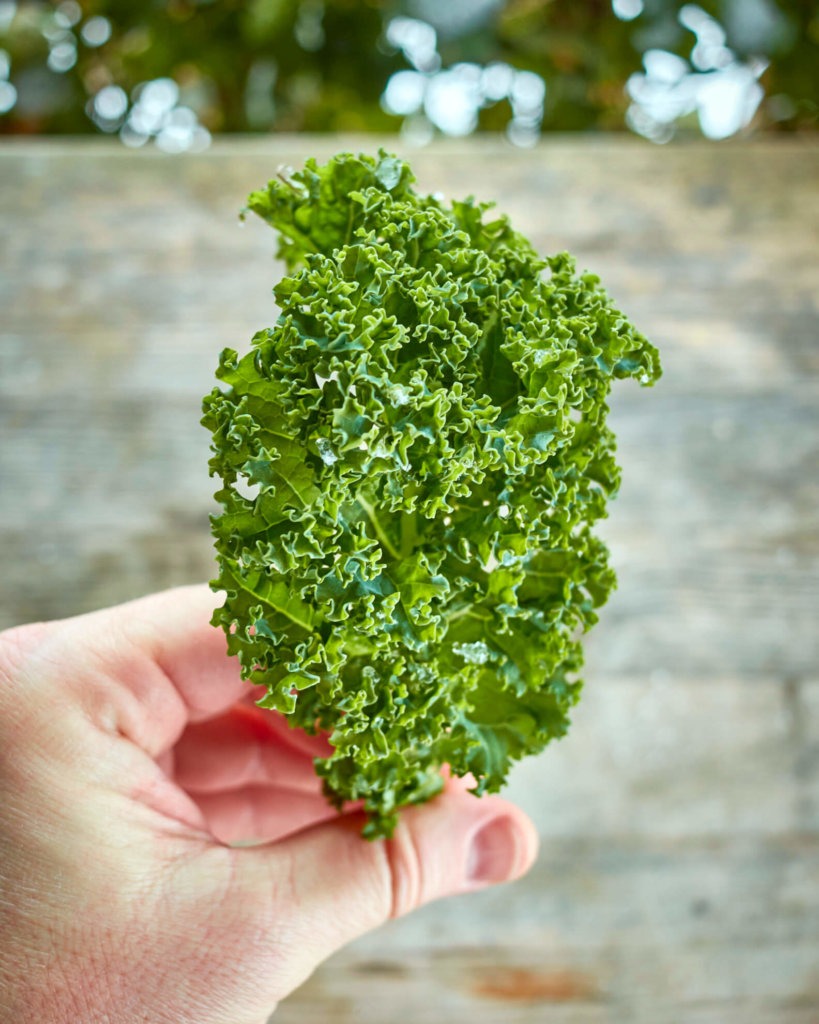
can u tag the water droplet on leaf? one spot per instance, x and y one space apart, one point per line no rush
325 450
475 654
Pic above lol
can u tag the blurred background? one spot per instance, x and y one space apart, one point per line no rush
173 74
673 149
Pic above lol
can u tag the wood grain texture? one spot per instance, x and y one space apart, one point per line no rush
679 877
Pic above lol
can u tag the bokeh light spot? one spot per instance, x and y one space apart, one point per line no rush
110 103
627 10
96 31
8 96
63 56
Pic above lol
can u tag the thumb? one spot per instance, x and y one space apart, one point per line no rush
329 885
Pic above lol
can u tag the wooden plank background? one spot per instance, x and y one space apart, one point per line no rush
679 875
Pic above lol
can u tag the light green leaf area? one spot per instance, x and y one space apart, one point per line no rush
412 460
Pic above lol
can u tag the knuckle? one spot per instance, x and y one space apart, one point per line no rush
405 867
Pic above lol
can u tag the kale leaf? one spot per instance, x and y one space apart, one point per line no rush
412 459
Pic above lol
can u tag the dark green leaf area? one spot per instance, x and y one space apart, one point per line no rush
412 460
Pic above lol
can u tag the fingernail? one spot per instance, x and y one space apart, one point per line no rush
493 855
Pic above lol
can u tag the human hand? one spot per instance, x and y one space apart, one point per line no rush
131 755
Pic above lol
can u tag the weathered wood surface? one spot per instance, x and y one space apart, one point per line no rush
679 878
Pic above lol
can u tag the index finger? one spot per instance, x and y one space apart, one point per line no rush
163 664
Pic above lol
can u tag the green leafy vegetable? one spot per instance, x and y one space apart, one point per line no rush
412 460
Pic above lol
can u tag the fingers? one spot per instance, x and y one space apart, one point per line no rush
173 628
341 886
246 745
257 813
148 667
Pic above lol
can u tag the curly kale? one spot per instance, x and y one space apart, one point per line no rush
413 458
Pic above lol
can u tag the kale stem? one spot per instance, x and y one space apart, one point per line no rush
376 524
306 625
408 533
469 610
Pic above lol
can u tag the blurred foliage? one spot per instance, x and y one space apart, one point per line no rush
586 54
322 65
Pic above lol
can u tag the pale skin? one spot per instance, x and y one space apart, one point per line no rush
131 757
